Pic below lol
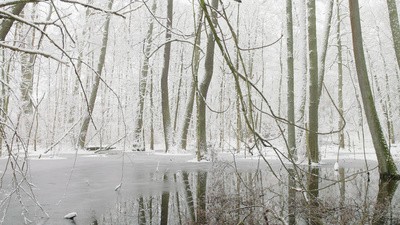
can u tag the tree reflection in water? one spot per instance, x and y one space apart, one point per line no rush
223 195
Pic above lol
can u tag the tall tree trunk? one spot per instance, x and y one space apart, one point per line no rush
239 132
27 67
164 80
151 114
195 71
303 68
138 138
178 95
340 75
92 100
313 70
324 50
5 93
387 168
290 81
204 84
395 28
81 48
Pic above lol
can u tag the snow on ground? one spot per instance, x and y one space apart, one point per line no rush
94 177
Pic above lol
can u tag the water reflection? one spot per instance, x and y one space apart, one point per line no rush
305 195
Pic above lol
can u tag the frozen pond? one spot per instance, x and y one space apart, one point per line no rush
163 187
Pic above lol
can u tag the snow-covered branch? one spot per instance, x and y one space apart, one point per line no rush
94 7
30 51
8 3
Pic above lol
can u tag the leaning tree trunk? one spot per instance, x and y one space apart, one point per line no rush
164 81
85 125
313 70
6 24
387 168
324 50
203 87
195 71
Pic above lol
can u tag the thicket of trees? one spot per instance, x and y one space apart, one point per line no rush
200 75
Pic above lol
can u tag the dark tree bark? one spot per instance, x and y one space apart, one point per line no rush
290 81
6 25
164 81
313 70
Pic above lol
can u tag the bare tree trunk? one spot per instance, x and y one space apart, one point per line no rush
395 28
138 138
85 125
178 95
151 114
6 24
303 68
239 132
5 97
204 84
340 74
290 82
85 30
387 168
313 70
324 50
164 81
195 70
27 67
193 85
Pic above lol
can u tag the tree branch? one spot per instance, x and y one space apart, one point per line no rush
8 3
94 7
34 52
